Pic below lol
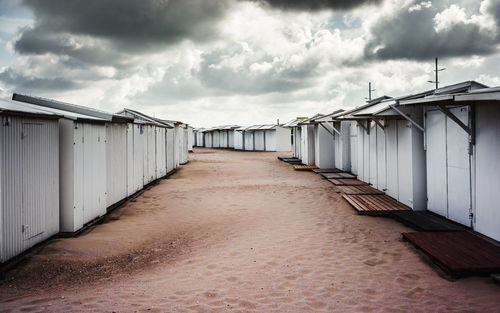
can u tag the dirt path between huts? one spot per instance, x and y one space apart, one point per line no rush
238 232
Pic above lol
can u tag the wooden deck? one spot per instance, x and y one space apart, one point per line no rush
304 167
337 175
374 204
347 182
326 170
359 190
458 253
426 221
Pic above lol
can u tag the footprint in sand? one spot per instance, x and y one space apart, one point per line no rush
232 279
374 262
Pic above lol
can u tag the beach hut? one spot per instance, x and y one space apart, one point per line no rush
249 137
29 180
150 138
308 140
215 138
259 139
296 135
207 138
191 140
82 168
276 138
324 144
461 142
238 140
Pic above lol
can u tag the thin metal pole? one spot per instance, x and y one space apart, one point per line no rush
437 81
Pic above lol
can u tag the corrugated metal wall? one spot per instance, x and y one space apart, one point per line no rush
116 162
94 167
138 156
149 154
170 149
131 188
161 157
29 164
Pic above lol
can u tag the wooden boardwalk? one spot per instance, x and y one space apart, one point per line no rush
304 167
426 221
374 204
347 182
458 253
326 170
359 190
337 175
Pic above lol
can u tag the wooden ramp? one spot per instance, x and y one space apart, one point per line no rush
359 190
458 253
304 167
374 204
347 182
326 170
337 175
426 221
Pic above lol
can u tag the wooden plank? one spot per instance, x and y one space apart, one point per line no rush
459 253
347 182
337 175
326 170
374 204
304 167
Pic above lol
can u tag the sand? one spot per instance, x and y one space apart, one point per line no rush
239 232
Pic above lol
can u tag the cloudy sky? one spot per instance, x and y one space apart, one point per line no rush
213 62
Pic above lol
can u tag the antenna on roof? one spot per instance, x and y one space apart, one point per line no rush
369 92
437 70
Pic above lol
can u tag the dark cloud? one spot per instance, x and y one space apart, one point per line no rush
312 5
129 24
411 35
10 78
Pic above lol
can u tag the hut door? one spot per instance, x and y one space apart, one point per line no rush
437 200
458 168
33 180
405 166
392 159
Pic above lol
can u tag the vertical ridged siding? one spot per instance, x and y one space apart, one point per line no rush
116 162
161 165
29 183
170 150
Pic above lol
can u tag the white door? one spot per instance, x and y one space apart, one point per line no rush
366 155
437 200
381 159
78 177
458 168
33 207
391 133
353 143
372 155
405 163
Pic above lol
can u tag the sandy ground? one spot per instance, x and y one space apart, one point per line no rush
239 232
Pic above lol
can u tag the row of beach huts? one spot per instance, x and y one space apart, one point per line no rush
274 137
436 150
64 166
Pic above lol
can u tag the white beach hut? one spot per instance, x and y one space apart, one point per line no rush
308 140
239 138
277 138
249 137
82 168
324 154
29 180
461 136
296 135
